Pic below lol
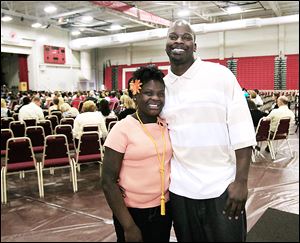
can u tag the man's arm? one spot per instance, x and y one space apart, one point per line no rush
238 189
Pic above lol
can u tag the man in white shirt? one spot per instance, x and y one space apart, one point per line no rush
32 110
212 135
282 111
258 100
278 113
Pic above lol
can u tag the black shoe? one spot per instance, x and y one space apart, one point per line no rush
267 149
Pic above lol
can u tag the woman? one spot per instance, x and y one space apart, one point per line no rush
89 116
137 161
129 107
103 107
68 111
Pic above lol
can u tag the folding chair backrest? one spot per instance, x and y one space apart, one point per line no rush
53 119
110 119
19 154
18 128
58 114
5 121
67 120
47 125
282 129
30 122
66 129
110 125
263 130
89 143
90 128
36 135
56 150
5 135
16 116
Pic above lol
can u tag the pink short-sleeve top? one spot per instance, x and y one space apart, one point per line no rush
140 170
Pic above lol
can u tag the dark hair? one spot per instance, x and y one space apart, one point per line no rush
146 74
103 107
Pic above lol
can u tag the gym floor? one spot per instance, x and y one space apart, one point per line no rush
64 216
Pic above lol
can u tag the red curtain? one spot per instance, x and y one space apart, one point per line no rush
23 69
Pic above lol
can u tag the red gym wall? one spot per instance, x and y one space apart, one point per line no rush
252 72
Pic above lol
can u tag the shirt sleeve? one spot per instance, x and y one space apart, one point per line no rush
239 121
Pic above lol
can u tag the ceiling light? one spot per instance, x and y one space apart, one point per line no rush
6 18
233 9
36 25
75 32
50 9
115 27
183 13
87 19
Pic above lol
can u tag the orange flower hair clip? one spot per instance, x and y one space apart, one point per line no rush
135 86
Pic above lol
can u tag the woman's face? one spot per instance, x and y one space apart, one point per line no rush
151 99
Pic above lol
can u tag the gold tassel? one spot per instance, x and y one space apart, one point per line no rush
162 206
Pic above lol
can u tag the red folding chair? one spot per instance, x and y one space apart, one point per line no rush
5 135
37 137
19 158
5 121
262 135
67 120
18 128
66 129
89 151
56 155
47 125
281 133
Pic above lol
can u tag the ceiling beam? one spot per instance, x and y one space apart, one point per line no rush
275 7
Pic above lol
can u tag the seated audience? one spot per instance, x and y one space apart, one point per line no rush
32 110
128 107
68 111
103 107
89 117
256 114
4 110
278 113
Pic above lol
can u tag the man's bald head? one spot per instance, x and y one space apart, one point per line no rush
182 22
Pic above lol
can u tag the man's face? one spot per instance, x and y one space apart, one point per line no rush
180 44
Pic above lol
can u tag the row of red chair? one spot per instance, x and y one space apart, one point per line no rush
20 156
263 134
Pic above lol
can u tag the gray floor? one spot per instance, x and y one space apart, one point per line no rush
64 216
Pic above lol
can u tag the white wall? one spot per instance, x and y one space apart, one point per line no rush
30 41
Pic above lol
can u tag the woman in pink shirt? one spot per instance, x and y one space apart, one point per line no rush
136 165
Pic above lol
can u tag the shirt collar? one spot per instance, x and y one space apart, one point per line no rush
189 74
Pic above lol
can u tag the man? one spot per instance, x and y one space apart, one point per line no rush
276 114
282 111
32 110
212 133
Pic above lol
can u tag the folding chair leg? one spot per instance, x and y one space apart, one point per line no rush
73 170
41 180
100 168
75 175
272 150
3 186
291 152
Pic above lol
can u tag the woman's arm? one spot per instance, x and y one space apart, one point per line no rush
111 168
